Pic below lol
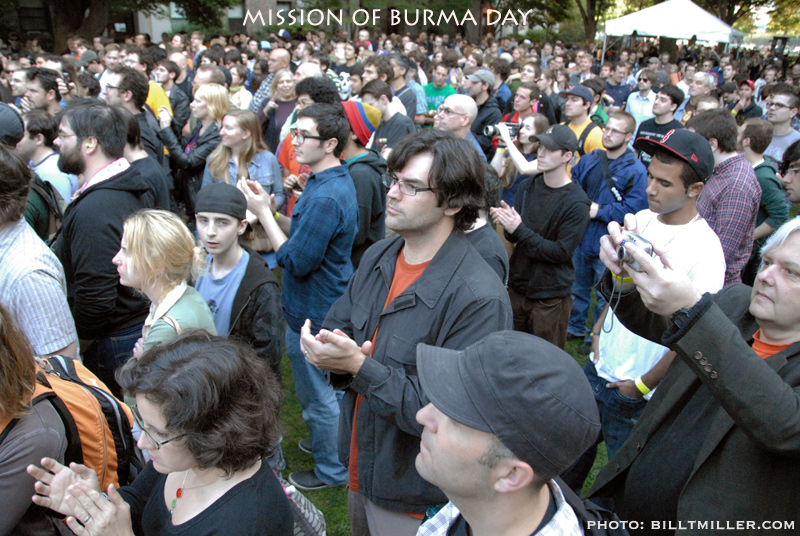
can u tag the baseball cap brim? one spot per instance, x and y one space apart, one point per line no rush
549 142
649 146
444 385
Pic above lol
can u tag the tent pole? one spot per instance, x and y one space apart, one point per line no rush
605 43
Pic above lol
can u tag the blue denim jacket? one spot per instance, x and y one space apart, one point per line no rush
263 168
316 258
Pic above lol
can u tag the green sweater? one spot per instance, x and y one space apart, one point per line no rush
773 208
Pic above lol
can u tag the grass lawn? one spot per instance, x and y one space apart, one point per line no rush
333 502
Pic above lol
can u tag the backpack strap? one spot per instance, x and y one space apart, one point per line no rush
584 135
170 320
607 176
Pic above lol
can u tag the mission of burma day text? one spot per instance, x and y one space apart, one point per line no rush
372 17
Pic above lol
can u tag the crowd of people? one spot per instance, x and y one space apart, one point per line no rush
442 215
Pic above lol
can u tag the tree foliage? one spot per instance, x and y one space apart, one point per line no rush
785 17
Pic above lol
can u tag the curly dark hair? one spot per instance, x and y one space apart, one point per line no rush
217 392
457 171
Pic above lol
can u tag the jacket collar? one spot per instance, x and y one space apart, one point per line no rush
432 283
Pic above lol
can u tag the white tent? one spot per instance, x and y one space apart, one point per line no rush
678 19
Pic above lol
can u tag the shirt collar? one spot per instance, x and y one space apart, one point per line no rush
114 168
157 311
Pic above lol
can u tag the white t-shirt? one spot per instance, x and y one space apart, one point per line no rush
695 249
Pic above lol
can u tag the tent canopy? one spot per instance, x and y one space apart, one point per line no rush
678 19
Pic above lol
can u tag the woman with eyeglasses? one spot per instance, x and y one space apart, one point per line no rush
209 409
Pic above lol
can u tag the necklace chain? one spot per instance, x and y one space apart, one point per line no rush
181 489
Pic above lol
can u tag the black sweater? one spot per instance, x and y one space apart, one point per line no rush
553 223
90 236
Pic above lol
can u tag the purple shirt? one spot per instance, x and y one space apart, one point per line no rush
729 203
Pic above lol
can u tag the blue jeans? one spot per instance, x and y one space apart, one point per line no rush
320 412
618 415
587 274
107 354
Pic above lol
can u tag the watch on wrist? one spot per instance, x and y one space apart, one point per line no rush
681 317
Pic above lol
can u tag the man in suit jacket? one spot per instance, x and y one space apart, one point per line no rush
719 442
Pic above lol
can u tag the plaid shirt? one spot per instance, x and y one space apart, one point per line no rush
316 258
729 203
564 522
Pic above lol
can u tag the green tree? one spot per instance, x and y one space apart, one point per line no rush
731 11
591 12
90 17
785 17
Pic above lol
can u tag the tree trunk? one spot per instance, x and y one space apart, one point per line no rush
588 18
83 17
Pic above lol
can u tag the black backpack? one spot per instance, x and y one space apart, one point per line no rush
55 206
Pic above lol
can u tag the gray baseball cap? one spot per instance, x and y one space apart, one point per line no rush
529 393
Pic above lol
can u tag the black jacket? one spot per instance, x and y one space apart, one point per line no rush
157 195
457 301
148 128
256 314
489 113
366 173
90 237
187 169
179 102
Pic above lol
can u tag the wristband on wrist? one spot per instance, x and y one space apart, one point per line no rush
641 386
622 279
277 215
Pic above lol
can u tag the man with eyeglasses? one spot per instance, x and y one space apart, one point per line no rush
313 248
455 116
426 285
108 316
781 107
615 166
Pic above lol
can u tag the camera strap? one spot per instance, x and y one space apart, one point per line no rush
607 176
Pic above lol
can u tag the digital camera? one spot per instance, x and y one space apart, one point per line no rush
491 130
627 258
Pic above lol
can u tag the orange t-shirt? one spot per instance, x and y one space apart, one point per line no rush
765 349
287 158
404 276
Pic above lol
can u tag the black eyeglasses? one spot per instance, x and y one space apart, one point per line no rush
109 86
301 138
156 443
776 105
405 188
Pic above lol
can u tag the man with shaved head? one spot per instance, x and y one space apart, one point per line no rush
278 59
456 115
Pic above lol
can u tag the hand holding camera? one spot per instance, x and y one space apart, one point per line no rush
662 288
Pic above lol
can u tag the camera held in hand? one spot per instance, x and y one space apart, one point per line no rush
627 258
491 130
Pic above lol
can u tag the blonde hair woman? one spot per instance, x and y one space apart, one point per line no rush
187 158
278 108
243 155
158 257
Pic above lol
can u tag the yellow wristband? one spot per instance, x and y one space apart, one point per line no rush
277 215
641 386
622 279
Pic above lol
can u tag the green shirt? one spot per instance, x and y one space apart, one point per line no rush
435 97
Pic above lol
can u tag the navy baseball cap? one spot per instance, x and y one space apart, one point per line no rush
579 91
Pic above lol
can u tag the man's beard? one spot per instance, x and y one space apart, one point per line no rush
71 162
